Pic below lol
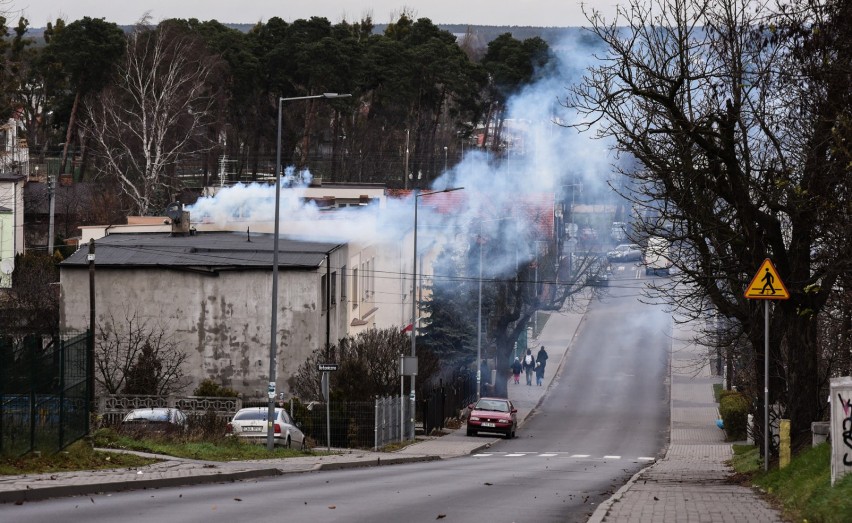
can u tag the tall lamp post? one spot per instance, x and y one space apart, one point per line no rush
414 300
270 418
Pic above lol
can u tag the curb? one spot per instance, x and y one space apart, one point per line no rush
379 462
600 513
39 494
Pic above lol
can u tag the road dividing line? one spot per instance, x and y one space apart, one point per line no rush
645 459
548 455
580 455
612 457
518 455
481 455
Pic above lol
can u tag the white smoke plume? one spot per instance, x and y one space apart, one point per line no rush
553 155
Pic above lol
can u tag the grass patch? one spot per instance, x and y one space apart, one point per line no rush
803 489
717 390
217 449
747 459
78 456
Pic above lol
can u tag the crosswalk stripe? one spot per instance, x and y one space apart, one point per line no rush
555 454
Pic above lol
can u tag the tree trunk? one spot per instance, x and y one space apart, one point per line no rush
69 133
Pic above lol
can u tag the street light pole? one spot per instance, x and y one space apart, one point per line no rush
270 418
414 300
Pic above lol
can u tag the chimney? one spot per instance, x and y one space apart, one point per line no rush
180 227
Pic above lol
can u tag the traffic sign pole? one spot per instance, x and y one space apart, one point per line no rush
766 386
766 285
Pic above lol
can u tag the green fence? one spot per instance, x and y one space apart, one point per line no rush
44 393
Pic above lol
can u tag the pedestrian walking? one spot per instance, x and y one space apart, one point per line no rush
529 365
541 363
516 370
485 376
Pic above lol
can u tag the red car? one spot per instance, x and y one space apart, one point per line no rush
492 415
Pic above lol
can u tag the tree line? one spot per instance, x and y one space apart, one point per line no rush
149 111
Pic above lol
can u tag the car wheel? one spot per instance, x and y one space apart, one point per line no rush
288 444
471 432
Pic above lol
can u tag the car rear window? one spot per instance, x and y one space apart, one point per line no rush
250 415
148 415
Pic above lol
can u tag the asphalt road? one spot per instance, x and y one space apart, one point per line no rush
604 418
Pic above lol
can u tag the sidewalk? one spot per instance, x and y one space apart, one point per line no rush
555 336
689 483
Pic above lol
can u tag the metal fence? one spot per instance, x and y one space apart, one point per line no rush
445 399
113 407
43 393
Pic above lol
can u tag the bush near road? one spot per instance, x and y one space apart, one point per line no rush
78 456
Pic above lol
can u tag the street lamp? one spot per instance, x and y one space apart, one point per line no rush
270 420
414 300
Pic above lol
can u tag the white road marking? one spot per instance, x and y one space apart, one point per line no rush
515 455
580 455
612 457
550 455
645 459
482 455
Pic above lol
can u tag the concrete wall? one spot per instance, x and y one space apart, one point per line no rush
222 322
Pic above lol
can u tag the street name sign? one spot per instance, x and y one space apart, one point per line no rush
326 367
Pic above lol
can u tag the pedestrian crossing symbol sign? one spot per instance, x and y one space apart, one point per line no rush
766 284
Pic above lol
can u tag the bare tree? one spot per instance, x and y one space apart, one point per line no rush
154 114
735 136
130 350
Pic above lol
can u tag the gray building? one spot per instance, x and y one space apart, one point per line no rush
212 292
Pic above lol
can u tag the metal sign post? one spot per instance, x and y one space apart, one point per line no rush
766 285
325 368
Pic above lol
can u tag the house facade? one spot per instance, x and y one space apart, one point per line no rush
11 224
210 293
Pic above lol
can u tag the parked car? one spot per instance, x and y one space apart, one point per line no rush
155 420
250 424
657 258
492 415
625 252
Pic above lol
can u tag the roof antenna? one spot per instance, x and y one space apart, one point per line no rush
248 234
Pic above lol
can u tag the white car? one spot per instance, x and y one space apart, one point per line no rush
250 423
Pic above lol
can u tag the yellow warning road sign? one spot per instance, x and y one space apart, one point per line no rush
766 284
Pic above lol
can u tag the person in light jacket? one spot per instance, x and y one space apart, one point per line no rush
529 365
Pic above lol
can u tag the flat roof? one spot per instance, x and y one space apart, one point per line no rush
202 250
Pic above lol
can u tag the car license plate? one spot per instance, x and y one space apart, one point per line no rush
486 424
252 429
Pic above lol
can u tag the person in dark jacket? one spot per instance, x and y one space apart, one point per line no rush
516 370
529 365
541 362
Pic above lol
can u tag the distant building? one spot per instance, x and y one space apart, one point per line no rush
11 224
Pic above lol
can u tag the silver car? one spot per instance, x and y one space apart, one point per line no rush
250 423
625 252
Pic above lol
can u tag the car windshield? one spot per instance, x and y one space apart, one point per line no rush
498 406
248 415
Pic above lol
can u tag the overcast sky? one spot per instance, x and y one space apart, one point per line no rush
547 13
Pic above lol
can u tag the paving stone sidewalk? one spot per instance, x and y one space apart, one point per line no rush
690 483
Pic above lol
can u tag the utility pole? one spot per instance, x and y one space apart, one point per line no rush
51 194
90 357
405 168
